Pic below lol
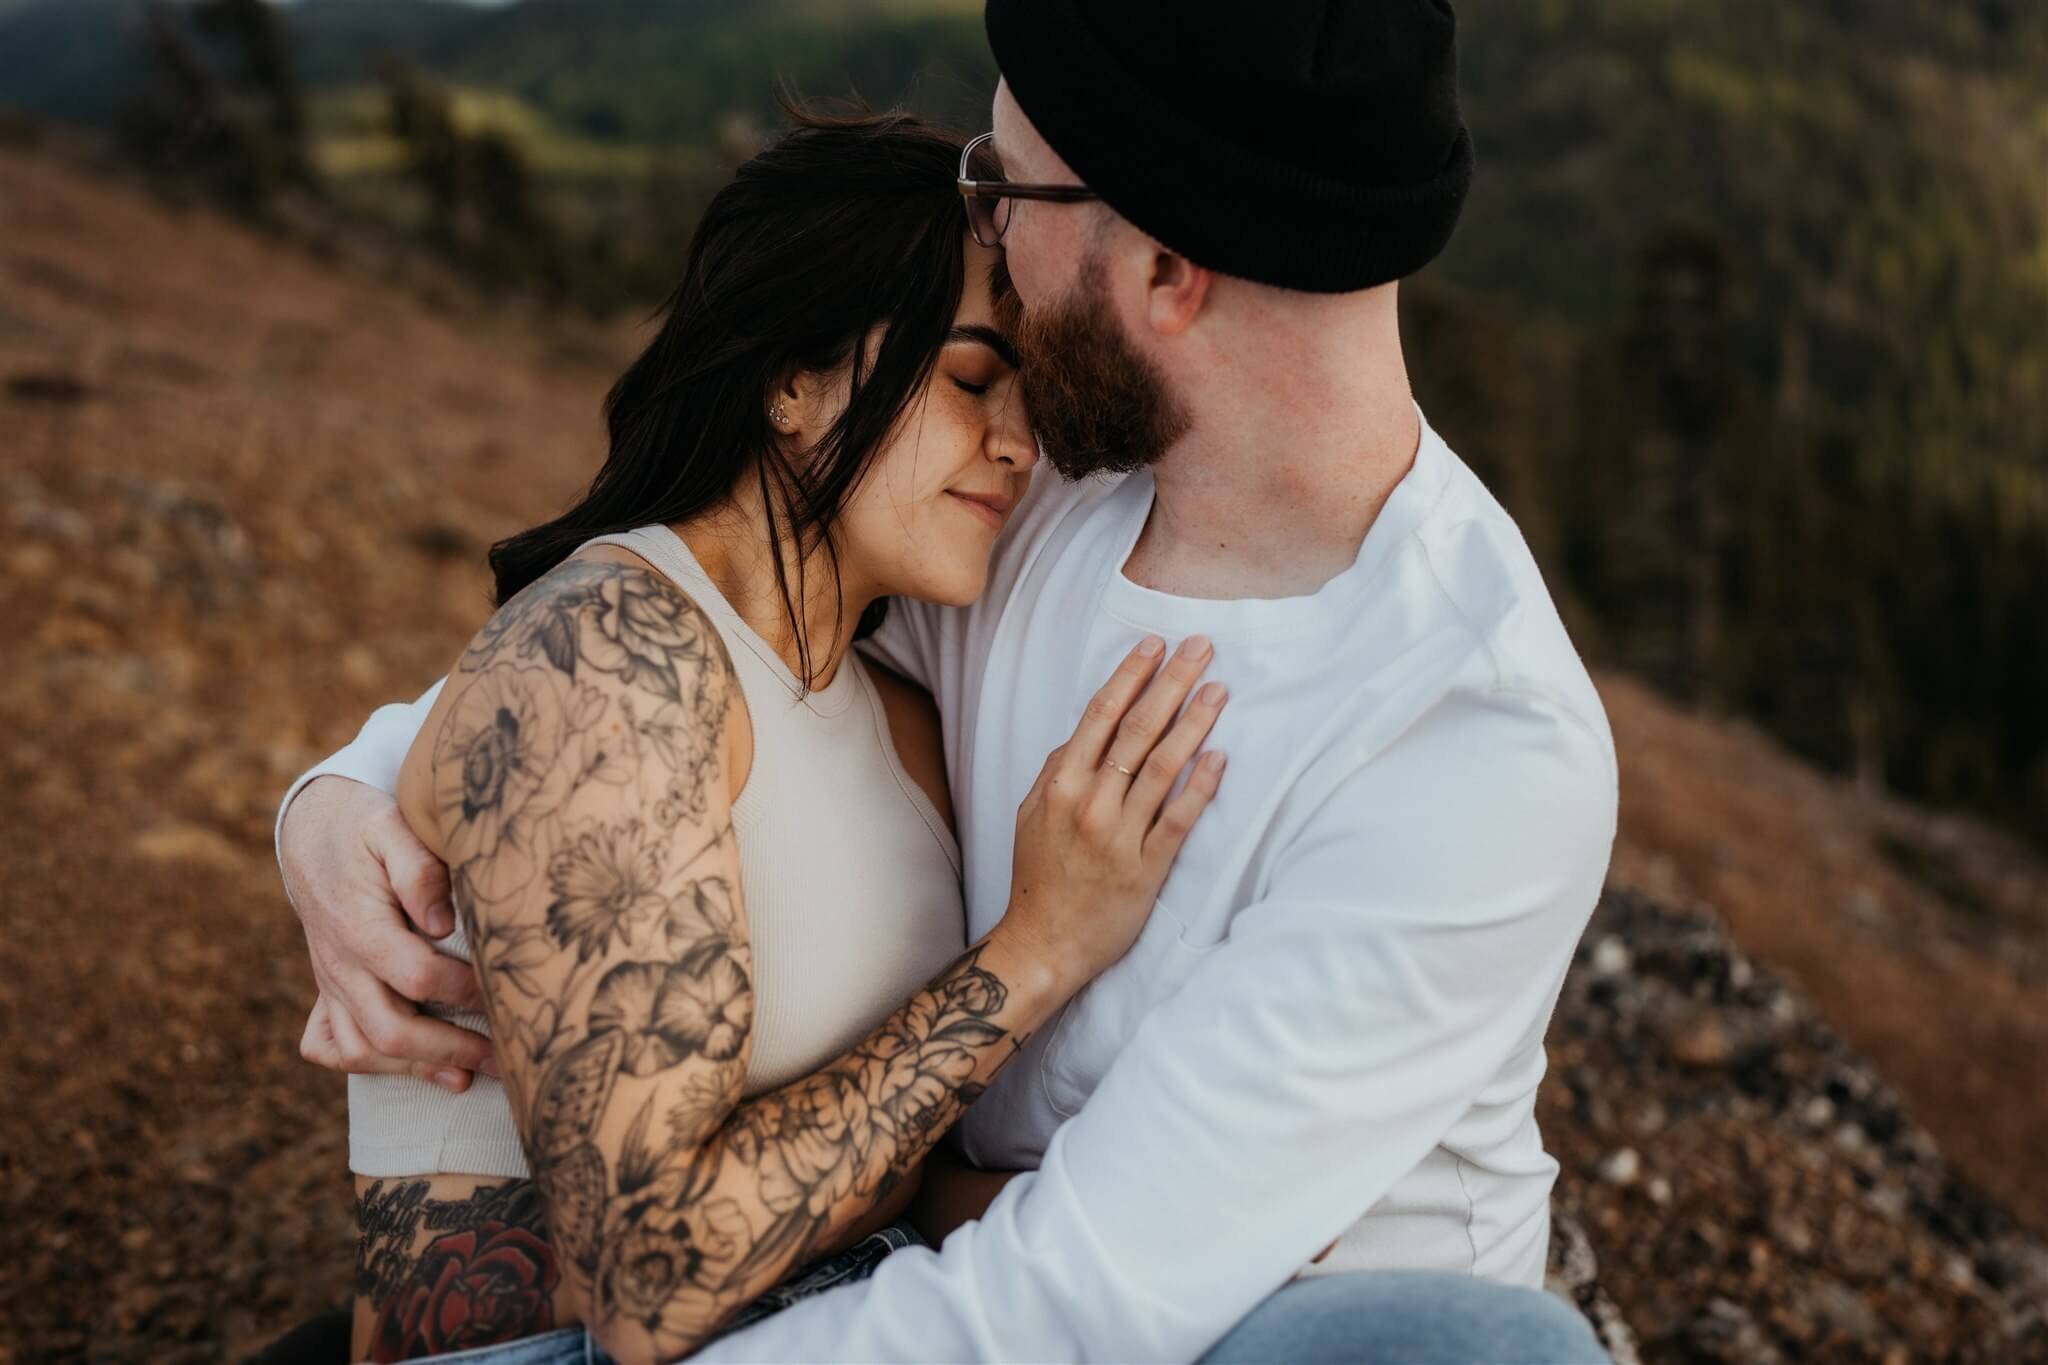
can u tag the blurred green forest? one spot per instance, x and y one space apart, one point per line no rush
1747 320
1751 319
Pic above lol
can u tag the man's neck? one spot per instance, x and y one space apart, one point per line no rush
1274 487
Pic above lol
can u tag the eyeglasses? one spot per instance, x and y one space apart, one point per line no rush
989 201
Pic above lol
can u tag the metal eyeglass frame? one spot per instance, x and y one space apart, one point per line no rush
984 196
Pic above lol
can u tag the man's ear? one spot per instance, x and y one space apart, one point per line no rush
1179 289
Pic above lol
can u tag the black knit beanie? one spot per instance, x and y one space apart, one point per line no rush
1311 144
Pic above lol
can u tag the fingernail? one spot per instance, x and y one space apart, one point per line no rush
1212 694
441 919
1195 646
489 1066
1150 647
448 1080
1214 760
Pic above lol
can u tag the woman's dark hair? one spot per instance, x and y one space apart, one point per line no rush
845 224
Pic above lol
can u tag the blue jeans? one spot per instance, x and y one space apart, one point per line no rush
1409 1317
1401 1317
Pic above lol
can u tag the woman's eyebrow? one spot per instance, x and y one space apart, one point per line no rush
992 338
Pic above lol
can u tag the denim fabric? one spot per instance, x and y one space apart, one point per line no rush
563 1346
857 1262
1414 1317
1373 1317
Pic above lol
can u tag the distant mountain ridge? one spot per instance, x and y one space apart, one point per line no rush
77 60
659 69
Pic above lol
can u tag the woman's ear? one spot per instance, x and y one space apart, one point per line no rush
804 404
786 405
1178 290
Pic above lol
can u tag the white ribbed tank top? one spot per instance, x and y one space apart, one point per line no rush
850 879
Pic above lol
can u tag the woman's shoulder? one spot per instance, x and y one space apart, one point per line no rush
602 670
605 613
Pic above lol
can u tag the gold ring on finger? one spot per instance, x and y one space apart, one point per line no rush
1112 763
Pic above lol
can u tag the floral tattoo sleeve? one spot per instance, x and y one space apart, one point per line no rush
578 779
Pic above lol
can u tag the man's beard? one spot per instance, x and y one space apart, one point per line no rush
1098 404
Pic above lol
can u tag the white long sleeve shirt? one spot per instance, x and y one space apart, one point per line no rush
1332 1024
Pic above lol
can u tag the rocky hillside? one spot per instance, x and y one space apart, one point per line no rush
245 490
1741 1185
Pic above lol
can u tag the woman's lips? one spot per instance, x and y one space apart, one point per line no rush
989 509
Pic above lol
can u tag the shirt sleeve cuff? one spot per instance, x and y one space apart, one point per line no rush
373 757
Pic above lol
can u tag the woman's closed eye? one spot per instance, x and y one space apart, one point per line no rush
984 356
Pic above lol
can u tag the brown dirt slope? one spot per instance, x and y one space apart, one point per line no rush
244 495
244 498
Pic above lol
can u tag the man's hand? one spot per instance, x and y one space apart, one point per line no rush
369 895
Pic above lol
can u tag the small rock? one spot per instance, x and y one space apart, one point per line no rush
1849 1083
1621 1167
134 1306
360 666
1834 1303
1724 1330
138 570
1659 1190
1866 906
1740 974
1703 1042
1648 1119
1792 1234
31 561
192 844
1611 957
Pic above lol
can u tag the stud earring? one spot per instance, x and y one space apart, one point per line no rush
775 413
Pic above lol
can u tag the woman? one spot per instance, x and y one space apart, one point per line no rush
700 851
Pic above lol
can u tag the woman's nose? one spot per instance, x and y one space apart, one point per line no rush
1010 438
